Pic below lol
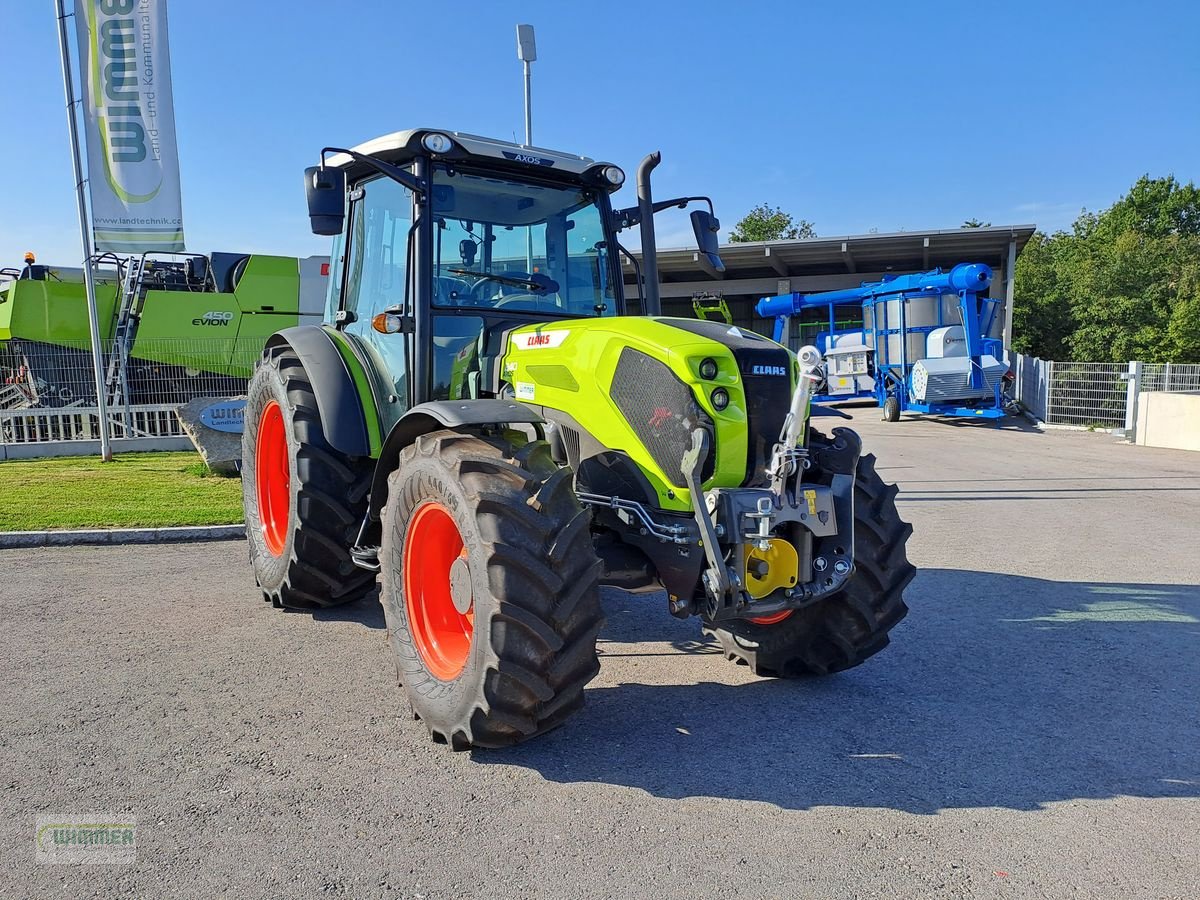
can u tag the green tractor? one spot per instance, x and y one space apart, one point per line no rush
481 426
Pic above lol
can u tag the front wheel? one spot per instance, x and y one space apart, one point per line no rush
851 626
490 586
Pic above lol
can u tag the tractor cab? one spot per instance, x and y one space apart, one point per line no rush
460 240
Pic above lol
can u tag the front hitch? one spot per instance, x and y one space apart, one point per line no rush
816 517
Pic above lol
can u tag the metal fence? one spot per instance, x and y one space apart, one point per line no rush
1087 395
48 391
82 423
1097 395
1170 377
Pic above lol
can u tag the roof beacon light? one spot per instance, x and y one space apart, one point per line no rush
436 142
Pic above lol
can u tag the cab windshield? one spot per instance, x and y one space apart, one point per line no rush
518 246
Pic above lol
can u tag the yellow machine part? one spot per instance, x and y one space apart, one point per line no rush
783 567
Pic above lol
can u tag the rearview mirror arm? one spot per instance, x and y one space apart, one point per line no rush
410 181
632 215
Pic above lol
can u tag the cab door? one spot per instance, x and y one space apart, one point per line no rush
374 278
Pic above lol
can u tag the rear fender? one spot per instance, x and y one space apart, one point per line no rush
343 416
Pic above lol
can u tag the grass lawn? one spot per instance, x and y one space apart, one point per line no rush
135 490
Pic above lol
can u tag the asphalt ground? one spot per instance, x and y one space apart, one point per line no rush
1032 731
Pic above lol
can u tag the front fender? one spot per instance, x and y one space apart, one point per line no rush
435 416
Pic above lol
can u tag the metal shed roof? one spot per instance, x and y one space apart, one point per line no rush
852 253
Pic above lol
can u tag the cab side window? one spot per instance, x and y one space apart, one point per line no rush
377 265
376 273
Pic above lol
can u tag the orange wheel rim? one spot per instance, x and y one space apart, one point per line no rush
272 479
440 631
772 619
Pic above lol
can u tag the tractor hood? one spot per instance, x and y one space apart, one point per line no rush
639 386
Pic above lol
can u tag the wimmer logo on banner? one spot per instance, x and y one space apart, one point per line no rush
129 120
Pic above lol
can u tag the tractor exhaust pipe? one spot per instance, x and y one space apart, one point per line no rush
651 304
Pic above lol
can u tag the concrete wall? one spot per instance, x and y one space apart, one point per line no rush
1169 420
41 449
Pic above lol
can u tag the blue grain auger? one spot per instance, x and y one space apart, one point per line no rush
930 343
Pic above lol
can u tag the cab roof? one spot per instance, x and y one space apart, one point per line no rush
400 147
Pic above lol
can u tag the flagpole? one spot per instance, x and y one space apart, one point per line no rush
84 234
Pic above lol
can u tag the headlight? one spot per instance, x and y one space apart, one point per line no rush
708 369
435 142
614 176
720 399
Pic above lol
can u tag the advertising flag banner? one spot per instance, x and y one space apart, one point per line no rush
129 121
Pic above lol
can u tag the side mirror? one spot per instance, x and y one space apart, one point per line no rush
325 189
706 226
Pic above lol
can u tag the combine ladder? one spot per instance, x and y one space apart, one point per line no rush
133 293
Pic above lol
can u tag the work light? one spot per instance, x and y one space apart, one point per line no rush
435 142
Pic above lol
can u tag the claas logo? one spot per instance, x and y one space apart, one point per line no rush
214 317
538 340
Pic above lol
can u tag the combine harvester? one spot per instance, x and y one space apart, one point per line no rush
168 319
930 343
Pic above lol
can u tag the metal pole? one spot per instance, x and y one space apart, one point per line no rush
527 53
1049 390
1133 387
528 143
528 106
89 278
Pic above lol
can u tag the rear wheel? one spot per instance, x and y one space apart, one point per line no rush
851 626
303 499
490 586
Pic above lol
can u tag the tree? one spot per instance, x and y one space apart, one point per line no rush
1122 284
770 223
1043 320
975 223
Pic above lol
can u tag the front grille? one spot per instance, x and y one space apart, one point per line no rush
662 411
765 374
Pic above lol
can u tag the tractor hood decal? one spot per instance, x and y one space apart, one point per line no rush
540 340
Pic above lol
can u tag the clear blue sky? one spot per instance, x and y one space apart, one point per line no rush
854 115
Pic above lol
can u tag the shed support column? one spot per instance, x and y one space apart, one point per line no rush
1010 286
776 263
848 258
